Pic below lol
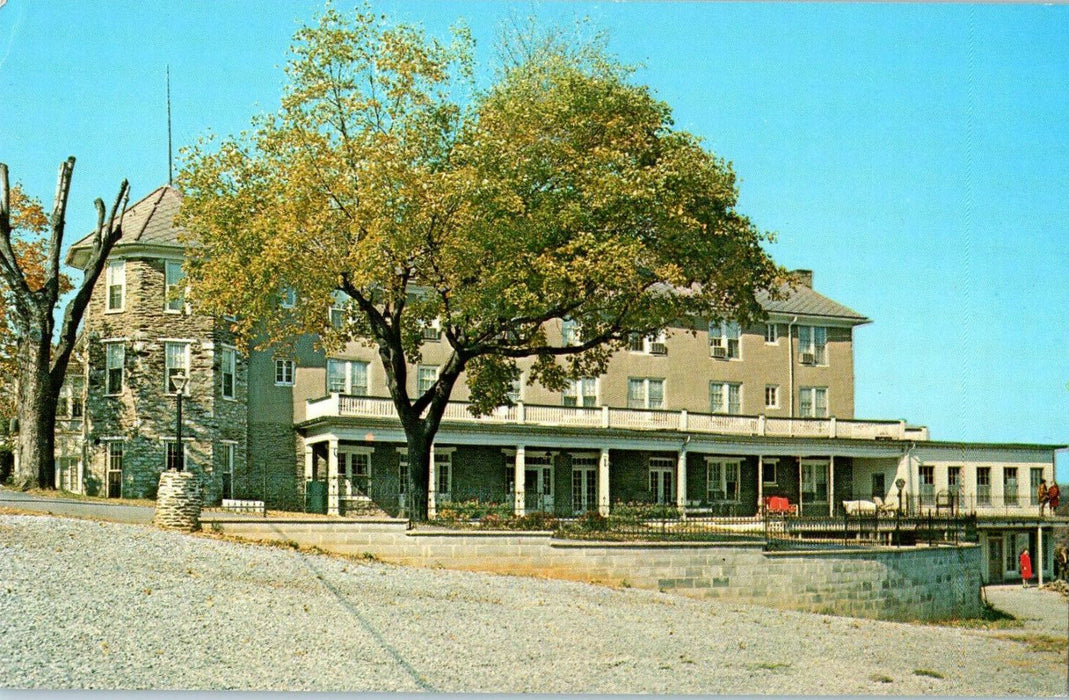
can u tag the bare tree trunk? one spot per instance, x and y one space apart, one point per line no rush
37 419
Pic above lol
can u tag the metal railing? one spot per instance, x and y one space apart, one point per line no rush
342 405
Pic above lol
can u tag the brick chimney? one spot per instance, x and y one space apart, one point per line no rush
804 277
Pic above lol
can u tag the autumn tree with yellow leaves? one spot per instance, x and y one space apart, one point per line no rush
561 192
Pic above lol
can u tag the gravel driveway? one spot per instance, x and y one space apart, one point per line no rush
92 605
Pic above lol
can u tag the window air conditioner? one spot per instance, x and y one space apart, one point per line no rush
720 352
658 349
808 359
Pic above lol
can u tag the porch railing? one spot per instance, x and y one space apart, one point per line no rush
345 406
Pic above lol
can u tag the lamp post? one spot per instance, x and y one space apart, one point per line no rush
179 382
900 482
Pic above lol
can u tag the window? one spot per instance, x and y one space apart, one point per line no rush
1009 485
176 364
115 359
515 392
339 310
426 376
174 289
814 482
771 334
171 455
70 398
771 396
645 393
581 392
954 481
724 340
228 370
983 486
812 345
569 332
432 332
287 297
813 402
879 486
116 281
725 398
347 377
354 470
769 469
1036 477
402 474
114 468
927 494
443 468
722 479
654 344
229 451
284 372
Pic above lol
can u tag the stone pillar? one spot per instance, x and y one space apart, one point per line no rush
603 483
178 501
333 484
519 480
432 485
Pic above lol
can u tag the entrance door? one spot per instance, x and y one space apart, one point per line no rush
662 476
538 483
994 559
584 484
115 484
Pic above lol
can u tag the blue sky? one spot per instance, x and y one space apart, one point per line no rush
916 157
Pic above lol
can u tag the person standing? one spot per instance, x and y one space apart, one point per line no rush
1042 495
1026 567
1054 494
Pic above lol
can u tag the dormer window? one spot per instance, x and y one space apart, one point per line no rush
174 287
116 283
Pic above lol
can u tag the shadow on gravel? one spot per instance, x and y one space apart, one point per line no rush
413 673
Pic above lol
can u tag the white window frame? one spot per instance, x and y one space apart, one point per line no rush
424 381
346 453
167 366
339 306
645 401
230 451
660 466
115 279
228 365
176 305
287 297
431 332
443 474
288 371
109 366
725 391
812 469
515 392
767 463
728 336
581 393
168 447
570 332
812 393
109 463
813 340
771 334
652 344
716 472
772 396
348 370
1011 498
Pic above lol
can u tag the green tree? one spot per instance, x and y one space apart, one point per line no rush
560 193
31 283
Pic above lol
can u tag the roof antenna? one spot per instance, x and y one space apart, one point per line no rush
170 158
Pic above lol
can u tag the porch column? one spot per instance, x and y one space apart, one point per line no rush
681 480
800 470
603 483
1039 554
518 479
308 463
760 483
831 485
332 476
432 484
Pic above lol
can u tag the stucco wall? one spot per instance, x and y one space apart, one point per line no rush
886 583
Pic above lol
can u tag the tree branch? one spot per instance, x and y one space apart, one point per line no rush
58 223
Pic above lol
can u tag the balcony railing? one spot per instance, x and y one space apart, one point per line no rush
344 406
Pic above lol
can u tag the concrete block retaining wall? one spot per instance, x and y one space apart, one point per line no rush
915 583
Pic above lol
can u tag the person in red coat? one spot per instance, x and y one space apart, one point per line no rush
1026 568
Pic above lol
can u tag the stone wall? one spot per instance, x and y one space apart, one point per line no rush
917 583
142 415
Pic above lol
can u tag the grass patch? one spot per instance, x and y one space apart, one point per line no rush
1038 642
927 673
990 618
771 666
880 678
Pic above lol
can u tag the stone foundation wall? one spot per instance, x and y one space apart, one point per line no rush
920 583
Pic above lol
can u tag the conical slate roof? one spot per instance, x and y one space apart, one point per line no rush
150 221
